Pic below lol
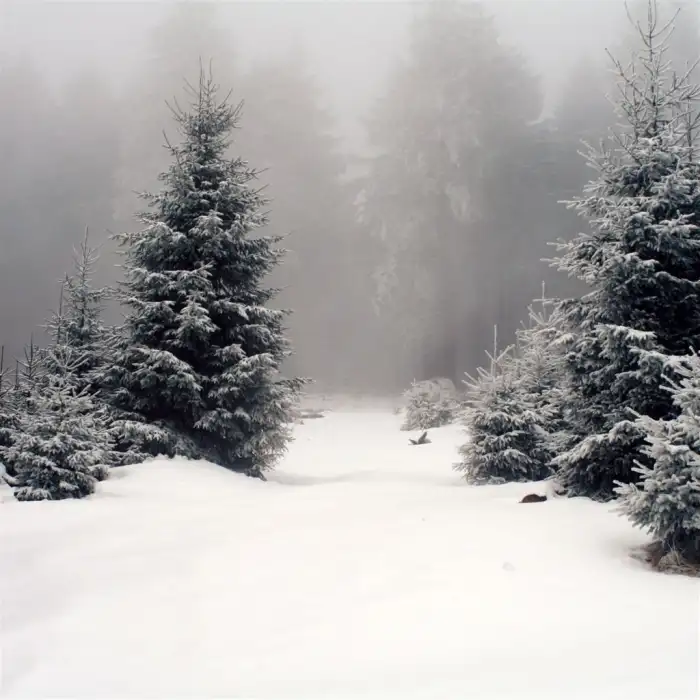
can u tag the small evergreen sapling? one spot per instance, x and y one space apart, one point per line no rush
430 404
539 375
77 331
8 412
60 449
18 396
506 434
30 373
78 322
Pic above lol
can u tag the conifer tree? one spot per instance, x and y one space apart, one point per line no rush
667 502
198 371
30 373
78 322
539 371
506 428
8 408
58 449
430 404
641 263
76 329
19 396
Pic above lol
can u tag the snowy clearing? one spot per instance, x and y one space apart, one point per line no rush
363 568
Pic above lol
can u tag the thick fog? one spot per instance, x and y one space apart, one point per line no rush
414 155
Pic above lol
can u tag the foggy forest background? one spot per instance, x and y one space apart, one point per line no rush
415 156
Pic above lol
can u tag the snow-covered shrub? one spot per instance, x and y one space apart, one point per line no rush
667 501
430 404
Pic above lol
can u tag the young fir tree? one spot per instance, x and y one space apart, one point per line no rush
667 502
30 373
8 410
198 373
539 377
19 395
641 261
77 330
508 439
78 322
430 404
59 449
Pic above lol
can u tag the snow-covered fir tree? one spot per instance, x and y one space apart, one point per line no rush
539 374
19 393
506 427
198 372
641 262
8 409
430 404
31 370
77 330
78 322
58 449
667 502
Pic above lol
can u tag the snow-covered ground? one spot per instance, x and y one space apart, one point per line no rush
363 569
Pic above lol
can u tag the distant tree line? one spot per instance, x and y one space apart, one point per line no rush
400 257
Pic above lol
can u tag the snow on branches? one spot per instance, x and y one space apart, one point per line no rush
430 404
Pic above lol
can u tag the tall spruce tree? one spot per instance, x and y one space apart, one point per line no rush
641 263
198 373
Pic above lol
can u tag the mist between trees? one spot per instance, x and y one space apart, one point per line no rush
416 199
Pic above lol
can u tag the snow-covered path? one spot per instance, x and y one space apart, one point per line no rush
362 569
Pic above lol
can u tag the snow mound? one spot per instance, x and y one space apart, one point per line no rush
364 568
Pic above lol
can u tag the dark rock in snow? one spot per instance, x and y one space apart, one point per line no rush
533 498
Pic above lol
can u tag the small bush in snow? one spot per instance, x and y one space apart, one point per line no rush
430 404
